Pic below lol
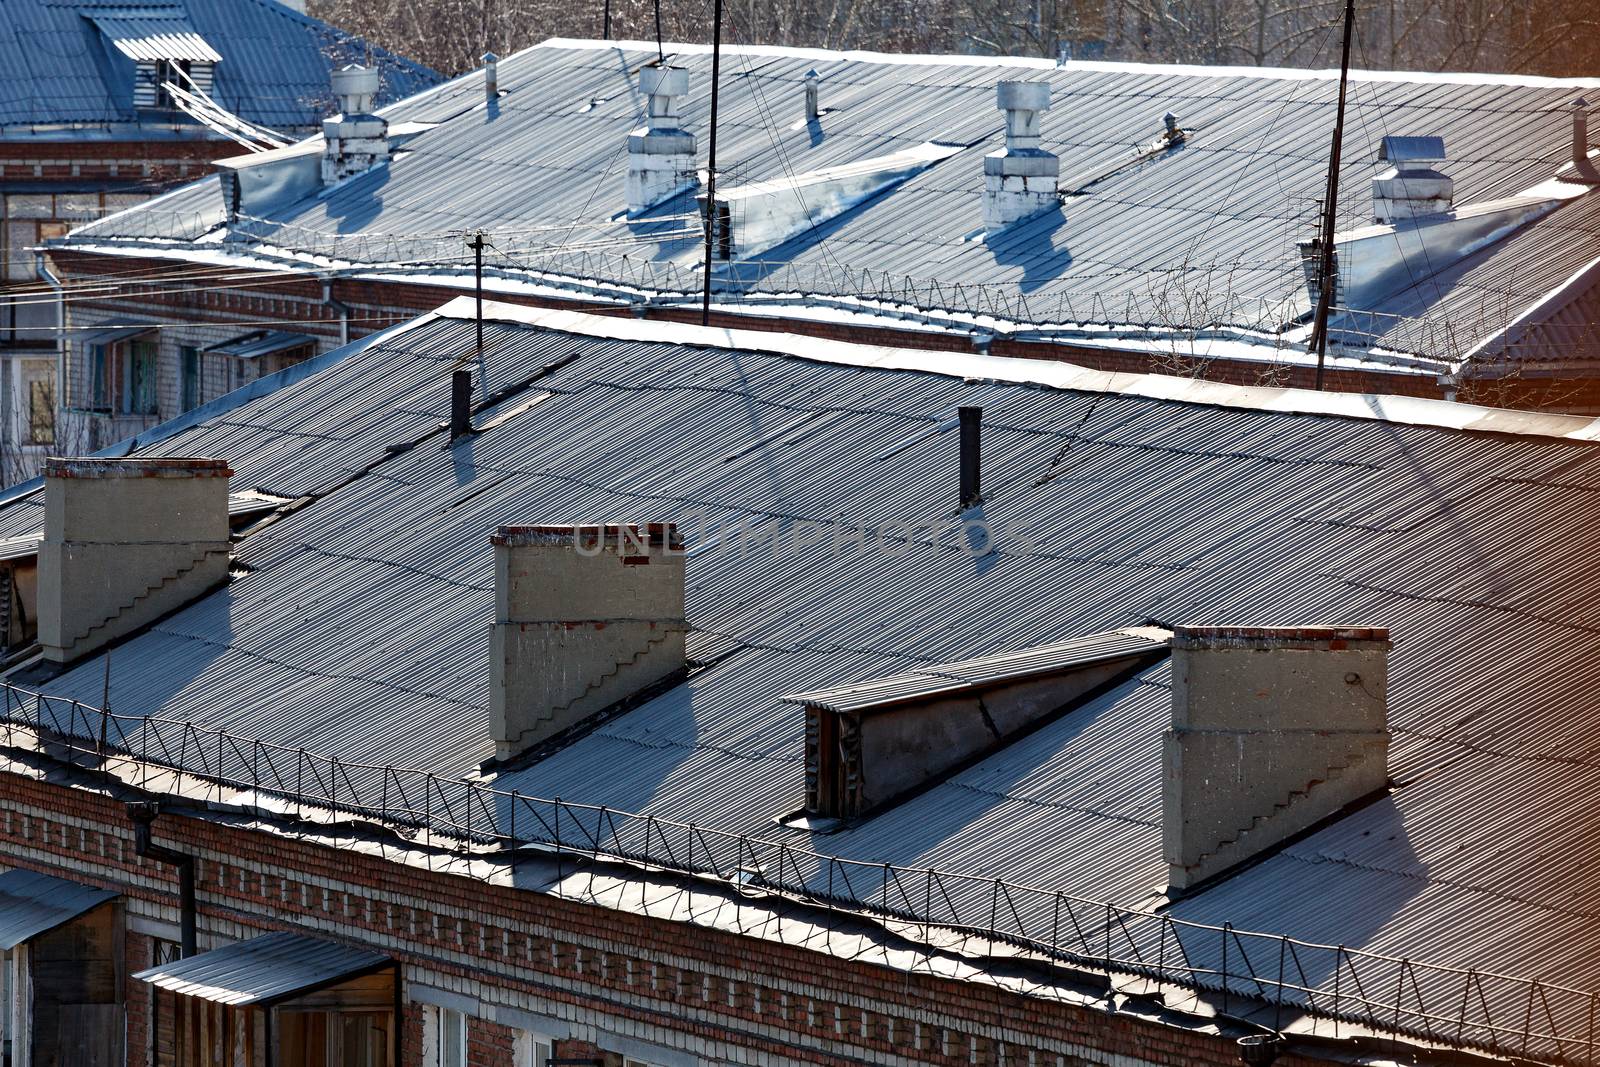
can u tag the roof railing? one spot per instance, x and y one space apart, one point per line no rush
1239 969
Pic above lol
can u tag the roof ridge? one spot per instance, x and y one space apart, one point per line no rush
1049 374
1186 70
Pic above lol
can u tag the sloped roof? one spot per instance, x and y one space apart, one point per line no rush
359 629
67 63
1205 234
263 970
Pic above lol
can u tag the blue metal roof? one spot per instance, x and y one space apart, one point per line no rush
360 627
32 904
59 67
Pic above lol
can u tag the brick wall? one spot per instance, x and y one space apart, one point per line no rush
615 980
165 161
377 305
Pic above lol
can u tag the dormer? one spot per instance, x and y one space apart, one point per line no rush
165 49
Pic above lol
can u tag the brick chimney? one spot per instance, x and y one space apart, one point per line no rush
1019 181
661 160
1273 730
125 542
355 140
585 617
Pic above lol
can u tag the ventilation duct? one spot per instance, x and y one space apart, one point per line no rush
813 83
586 617
661 154
749 219
355 140
869 743
1409 186
1273 730
1020 181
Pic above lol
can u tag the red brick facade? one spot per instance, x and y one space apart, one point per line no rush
673 984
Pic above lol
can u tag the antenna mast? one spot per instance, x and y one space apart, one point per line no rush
1330 205
711 162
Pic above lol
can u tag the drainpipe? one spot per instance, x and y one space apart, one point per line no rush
142 814
48 277
339 306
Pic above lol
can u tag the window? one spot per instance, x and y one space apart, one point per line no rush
189 372
100 363
140 398
450 1049
41 408
531 1050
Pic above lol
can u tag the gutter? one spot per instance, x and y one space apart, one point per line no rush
48 277
338 306
142 814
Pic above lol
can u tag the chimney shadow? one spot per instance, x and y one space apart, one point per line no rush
1381 877
1031 245
359 202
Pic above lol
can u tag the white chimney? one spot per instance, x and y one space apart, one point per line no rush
125 542
355 140
1019 181
661 155
1409 187
813 82
585 618
491 77
1273 730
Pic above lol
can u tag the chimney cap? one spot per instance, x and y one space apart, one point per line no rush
1023 96
162 467
489 57
812 75
1403 150
659 80
1201 636
654 533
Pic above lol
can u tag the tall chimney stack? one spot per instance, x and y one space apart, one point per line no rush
1273 730
971 455
1019 181
355 140
586 617
125 542
661 160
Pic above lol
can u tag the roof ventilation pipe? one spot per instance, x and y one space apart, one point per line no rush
460 404
1586 170
1409 187
813 83
125 542
1019 181
660 153
491 77
971 456
1273 730
585 618
355 140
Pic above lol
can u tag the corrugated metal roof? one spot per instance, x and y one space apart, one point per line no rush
946 679
263 970
153 35
272 63
261 343
111 334
359 629
1205 234
32 903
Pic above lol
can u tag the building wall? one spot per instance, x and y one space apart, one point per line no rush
663 993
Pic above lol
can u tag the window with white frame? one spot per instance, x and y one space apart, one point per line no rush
531 1050
449 1045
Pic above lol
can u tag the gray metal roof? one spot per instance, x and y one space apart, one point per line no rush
264 970
1205 234
261 343
360 628
948 679
32 904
